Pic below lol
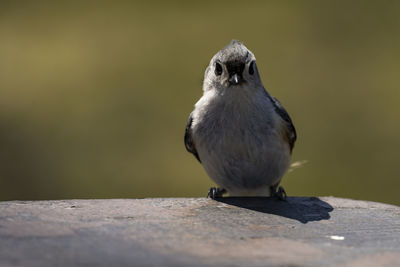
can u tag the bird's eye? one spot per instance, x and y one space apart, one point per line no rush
218 69
251 68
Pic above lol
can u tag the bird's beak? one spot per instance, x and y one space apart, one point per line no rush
235 79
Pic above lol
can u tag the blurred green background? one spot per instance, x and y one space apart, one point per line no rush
94 96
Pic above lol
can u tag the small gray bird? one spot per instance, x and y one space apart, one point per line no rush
241 135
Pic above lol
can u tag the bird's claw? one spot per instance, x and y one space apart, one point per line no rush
215 192
280 194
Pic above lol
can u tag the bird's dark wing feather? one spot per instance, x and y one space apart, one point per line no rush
189 144
290 130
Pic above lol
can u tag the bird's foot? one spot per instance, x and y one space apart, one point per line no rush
280 193
215 192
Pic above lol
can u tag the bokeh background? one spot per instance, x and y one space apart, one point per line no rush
94 96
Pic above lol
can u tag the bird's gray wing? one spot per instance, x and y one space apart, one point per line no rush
290 131
189 144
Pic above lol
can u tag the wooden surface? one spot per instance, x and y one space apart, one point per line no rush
196 231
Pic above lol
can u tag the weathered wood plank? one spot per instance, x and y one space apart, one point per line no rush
196 231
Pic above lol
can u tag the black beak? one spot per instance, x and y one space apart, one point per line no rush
235 70
235 79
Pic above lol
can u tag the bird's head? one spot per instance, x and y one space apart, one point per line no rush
233 66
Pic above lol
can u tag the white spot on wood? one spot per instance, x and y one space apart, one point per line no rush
336 237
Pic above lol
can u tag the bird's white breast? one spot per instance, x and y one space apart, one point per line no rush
238 136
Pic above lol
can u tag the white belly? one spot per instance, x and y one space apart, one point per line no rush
244 151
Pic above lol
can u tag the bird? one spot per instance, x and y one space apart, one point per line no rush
242 136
